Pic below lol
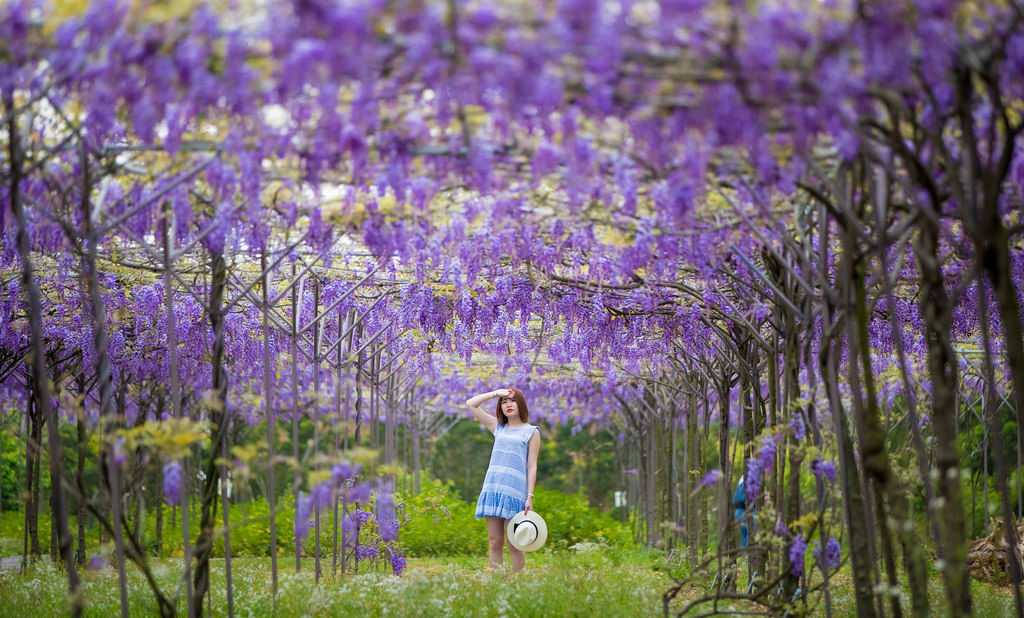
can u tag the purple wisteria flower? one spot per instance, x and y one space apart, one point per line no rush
349 532
322 494
366 552
303 511
752 479
766 456
758 466
172 483
361 517
824 469
796 555
386 520
798 428
711 478
360 494
343 470
120 457
781 529
828 559
398 562
98 563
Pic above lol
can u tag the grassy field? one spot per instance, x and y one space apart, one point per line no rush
596 582
555 583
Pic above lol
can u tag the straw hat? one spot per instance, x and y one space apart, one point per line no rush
527 531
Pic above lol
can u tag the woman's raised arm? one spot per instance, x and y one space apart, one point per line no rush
487 420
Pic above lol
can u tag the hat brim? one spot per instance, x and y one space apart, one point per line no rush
529 518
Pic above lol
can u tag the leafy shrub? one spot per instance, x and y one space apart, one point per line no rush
9 474
571 520
569 517
436 522
450 530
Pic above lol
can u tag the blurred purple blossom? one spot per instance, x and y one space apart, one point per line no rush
349 531
303 511
366 552
398 562
119 455
711 478
797 550
756 467
798 428
824 470
386 520
781 529
322 495
829 558
172 483
360 493
361 517
98 562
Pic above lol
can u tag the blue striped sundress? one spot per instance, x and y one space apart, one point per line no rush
504 491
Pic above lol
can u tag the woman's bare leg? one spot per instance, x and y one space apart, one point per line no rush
517 556
495 541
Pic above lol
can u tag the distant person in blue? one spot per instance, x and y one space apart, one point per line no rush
512 471
739 502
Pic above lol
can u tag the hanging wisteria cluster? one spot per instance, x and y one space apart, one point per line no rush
795 224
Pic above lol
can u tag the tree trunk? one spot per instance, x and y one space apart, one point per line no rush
690 479
107 467
83 446
874 453
38 377
297 477
853 498
942 369
316 423
185 495
725 516
991 409
792 504
271 417
54 481
879 467
219 428
34 496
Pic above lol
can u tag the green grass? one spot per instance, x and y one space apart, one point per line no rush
595 580
988 600
563 583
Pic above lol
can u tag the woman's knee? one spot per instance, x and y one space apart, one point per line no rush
496 543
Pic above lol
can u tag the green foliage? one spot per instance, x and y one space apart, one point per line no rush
569 517
461 456
571 460
979 465
572 520
12 530
12 459
453 529
437 522
579 459
9 474
250 530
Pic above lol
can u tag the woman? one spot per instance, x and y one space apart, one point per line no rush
512 473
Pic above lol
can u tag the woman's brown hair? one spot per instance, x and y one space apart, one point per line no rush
517 396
